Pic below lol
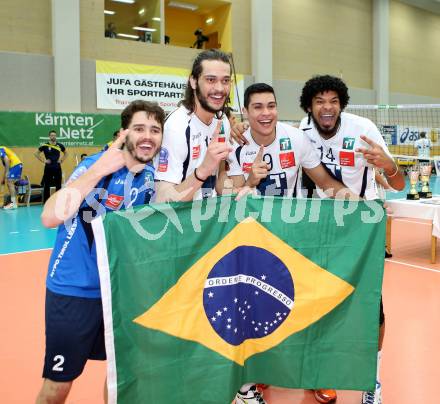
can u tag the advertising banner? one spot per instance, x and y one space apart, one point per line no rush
117 84
31 129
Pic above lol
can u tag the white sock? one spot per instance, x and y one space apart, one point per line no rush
246 387
379 355
13 199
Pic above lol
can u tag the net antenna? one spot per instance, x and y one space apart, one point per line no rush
231 57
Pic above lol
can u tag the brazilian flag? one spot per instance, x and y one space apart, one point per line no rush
202 297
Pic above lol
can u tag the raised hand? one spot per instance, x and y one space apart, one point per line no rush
113 158
215 153
237 130
376 156
259 169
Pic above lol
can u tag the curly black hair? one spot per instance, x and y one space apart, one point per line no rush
321 84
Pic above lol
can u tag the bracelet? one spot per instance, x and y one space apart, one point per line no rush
197 177
394 174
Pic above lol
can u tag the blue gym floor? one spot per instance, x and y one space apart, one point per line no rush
22 229
410 287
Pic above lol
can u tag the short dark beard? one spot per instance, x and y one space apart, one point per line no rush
204 102
327 133
131 148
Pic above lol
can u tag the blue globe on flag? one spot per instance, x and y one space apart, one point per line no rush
248 294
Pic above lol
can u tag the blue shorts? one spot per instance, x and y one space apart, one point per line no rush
74 334
15 172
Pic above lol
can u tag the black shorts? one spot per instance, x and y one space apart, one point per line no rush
381 313
74 334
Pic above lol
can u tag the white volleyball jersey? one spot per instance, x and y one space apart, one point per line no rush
184 145
290 150
423 147
339 157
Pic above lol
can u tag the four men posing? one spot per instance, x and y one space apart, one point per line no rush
190 165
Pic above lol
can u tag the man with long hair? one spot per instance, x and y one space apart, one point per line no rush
196 134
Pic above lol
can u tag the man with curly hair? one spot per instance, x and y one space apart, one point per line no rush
352 150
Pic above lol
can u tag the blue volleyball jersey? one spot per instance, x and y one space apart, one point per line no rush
73 267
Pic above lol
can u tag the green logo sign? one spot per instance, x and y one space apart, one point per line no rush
30 129
285 144
348 143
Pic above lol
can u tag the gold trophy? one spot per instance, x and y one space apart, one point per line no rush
425 173
413 175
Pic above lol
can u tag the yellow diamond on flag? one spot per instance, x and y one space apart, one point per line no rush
181 311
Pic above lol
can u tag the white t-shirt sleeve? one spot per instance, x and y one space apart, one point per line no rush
173 153
309 158
234 166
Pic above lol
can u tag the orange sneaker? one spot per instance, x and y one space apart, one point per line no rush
325 395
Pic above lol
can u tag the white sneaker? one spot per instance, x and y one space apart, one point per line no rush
252 396
10 206
373 397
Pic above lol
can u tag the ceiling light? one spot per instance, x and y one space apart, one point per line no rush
209 20
186 6
141 11
156 18
128 36
145 29
125 1
109 12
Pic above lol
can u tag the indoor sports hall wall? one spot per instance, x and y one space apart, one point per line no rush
323 36
414 51
309 37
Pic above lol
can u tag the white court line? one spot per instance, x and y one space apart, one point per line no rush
34 230
14 232
412 221
413 266
27 251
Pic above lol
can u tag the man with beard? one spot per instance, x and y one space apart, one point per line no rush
52 163
118 178
352 149
274 151
269 161
196 134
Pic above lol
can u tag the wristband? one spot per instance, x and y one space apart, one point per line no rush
395 173
197 177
